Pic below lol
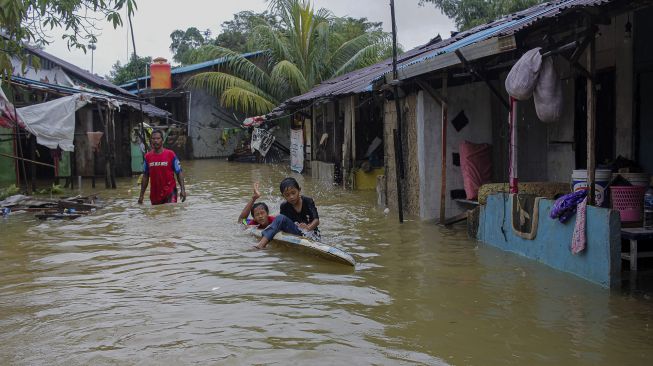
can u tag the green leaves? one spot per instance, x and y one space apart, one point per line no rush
305 47
246 101
470 13
135 68
26 21
287 79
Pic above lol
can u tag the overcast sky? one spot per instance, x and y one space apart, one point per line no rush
156 19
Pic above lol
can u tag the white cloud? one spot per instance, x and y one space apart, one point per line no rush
156 19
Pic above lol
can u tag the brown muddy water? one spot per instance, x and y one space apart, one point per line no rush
177 285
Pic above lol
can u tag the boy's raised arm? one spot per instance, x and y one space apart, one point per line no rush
248 207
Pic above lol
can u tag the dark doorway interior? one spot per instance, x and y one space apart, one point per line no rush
605 119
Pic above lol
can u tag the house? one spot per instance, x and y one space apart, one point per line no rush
342 120
93 142
212 130
452 91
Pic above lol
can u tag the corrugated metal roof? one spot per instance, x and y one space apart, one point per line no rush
148 109
79 72
362 80
507 25
217 61
194 67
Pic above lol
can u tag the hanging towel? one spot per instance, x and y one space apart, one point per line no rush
94 139
578 240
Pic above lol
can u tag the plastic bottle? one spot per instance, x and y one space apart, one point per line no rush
648 209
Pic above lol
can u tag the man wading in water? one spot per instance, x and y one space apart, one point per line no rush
161 165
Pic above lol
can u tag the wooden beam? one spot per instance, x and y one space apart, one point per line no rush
591 122
430 91
475 72
17 158
443 165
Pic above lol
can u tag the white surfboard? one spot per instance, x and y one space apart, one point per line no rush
321 249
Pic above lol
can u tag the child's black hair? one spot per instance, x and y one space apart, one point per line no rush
156 130
257 205
287 183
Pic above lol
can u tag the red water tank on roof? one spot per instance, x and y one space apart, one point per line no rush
160 77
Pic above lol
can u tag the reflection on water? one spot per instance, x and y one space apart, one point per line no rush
178 284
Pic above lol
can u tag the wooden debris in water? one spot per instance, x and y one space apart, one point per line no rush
62 208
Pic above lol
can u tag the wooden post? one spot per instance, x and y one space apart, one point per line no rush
21 154
16 162
397 132
112 149
512 121
312 136
353 129
346 145
443 142
591 122
32 153
107 161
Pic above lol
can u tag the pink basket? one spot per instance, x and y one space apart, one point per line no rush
629 201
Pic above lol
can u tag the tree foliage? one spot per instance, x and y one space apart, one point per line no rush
135 68
236 33
29 21
470 13
185 41
308 46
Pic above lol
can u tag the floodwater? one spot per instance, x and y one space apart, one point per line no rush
178 284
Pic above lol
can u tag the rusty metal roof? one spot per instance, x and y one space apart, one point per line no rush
363 80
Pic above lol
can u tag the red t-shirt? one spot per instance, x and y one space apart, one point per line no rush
161 168
249 222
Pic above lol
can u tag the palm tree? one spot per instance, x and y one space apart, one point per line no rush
302 54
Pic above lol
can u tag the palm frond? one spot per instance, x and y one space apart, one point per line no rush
246 101
265 37
288 77
318 57
217 83
365 57
234 63
351 48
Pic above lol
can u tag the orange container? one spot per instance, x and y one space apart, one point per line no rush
160 77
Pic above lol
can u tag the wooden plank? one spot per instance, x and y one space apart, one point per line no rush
467 202
638 233
455 219
77 206
488 47
58 216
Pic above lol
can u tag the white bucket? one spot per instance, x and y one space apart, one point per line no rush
601 177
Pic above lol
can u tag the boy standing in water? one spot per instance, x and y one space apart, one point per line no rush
298 215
